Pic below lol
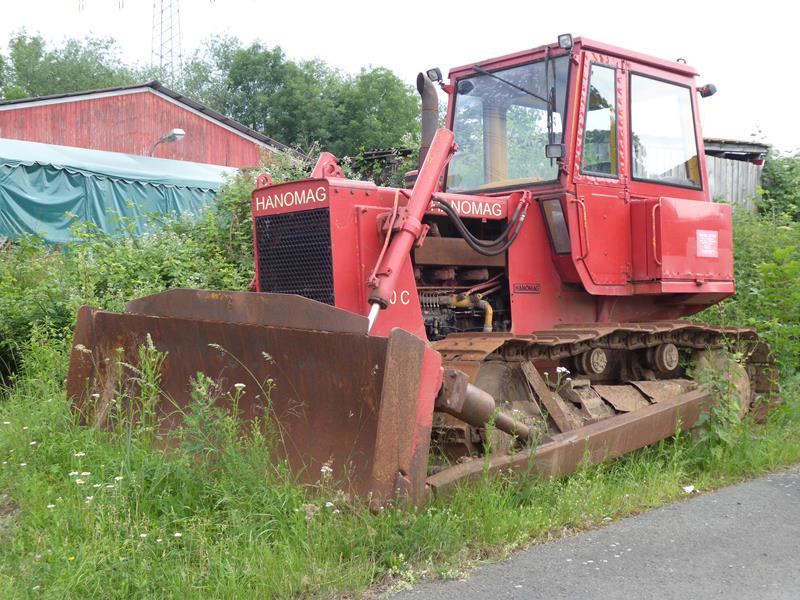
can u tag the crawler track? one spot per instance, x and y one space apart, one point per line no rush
627 385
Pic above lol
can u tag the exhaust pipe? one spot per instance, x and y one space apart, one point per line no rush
430 114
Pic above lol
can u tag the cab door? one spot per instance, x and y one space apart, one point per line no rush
677 233
600 211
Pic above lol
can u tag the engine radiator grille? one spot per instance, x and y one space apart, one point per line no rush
294 254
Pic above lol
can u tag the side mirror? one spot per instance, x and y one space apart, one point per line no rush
707 90
554 151
435 74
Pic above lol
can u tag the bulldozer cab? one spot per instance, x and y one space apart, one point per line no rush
629 173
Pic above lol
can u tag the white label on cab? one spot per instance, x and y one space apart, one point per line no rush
707 243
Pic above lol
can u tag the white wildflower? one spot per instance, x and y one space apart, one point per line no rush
80 481
33 443
89 499
142 535
562 370
325 469
329 504
177 534
24 428
51 506
96 485
118 478
85 473
73 473
79 454
159 540
95 396
109 485
6 422
239 386
23 464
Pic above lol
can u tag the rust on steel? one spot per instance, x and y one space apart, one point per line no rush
279 310
453 251
596 442
342 399
564 415
475 406
624 398
466 351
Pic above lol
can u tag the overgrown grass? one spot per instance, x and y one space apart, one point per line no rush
85 513
88 514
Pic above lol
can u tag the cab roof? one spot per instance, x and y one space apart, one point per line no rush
579 43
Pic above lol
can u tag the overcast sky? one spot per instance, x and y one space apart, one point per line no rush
745 48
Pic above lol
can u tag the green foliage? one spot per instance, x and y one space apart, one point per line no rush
781 186
34 69
302 102
374 109
207 512
767 273
44 285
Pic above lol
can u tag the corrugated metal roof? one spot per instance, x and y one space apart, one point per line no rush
129 167
158 87
727 143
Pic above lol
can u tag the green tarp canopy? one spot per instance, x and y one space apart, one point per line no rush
45 189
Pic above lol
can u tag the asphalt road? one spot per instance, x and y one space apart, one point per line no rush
739 542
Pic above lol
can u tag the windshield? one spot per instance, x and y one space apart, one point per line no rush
501 130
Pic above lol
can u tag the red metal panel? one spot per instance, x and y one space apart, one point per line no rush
129 123
694 240
539 300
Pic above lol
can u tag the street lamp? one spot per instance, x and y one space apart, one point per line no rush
173 136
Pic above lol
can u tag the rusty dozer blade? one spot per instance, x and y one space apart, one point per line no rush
361 404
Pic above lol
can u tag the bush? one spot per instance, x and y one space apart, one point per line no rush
781 186
45 285
767 272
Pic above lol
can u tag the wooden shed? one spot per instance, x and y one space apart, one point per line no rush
734 169
131 120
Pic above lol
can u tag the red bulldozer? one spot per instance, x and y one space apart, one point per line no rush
516 306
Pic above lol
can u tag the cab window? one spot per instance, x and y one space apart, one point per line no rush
600 137
663 140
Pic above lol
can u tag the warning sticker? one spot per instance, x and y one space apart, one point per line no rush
707 243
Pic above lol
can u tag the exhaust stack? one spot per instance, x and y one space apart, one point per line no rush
430 114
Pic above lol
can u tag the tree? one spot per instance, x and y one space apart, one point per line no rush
203 76
308 101
32 69
374 109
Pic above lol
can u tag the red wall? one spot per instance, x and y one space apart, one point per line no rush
129 123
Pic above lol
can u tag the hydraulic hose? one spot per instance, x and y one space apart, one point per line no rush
497 247
445 206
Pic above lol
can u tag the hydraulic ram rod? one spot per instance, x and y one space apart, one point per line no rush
409 222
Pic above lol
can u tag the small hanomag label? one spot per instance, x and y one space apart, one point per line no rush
707 243
527 288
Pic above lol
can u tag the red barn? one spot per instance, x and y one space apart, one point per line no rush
132 119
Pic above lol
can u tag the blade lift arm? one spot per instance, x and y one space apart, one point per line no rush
408 227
